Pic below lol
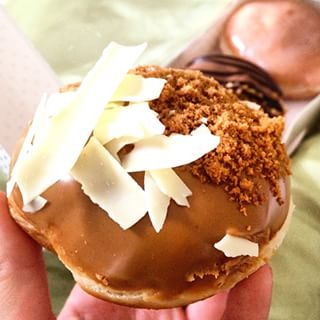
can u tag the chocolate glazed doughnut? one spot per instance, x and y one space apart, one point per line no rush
243 78
241 187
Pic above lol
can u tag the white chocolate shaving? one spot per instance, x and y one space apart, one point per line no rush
10 186
55 104
157 202
107 184
136 121
171 185
27 143
147 122
57 144
116 145
160 152
251 105
69 130
148 118
135 88
233 246
204 120
35 205
58 101
115 123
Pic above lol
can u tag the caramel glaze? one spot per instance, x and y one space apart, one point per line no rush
139 258
282 37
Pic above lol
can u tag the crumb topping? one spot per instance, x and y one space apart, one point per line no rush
250 149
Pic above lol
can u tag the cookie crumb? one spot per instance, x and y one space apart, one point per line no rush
250 149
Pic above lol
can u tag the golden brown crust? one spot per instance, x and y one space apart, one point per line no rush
30 229
147 299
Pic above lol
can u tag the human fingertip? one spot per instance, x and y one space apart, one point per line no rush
22 272
211 308
251 298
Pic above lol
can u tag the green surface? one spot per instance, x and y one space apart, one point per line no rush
71 35
60 281
296 265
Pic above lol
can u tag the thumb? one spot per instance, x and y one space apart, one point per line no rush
251 298
23 283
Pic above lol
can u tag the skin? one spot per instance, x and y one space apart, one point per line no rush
24 290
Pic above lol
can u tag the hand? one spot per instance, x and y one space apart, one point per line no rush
24 290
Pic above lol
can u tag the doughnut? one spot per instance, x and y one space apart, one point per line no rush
284 40
239 194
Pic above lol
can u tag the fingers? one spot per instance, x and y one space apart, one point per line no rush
81 305
23 283
212 308
167 314
24 291
251 298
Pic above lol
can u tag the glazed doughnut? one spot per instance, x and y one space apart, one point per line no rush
282 37
240 188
